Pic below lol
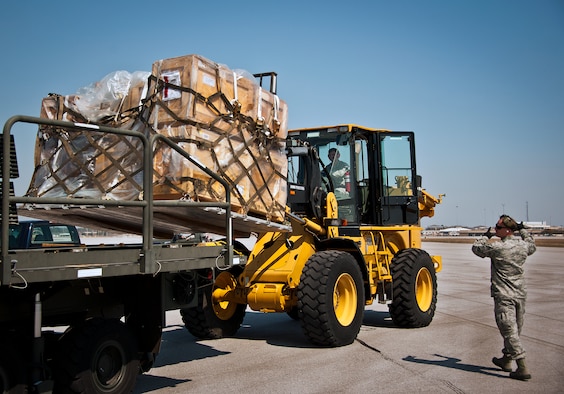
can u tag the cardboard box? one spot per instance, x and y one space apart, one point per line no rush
272 112
209 92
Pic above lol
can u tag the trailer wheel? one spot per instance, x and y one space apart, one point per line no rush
211 319
331 298
414 289
98 356
12 368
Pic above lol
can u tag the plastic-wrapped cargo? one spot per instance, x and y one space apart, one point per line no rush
92 165
229 123
221 118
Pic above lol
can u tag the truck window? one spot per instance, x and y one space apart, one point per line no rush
61 234
14 237
40 235
54 234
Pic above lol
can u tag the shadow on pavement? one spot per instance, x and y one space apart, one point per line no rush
455 363
178 346
149 383
377 319
277 329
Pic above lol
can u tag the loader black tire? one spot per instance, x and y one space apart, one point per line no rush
204 323
97 356
414 287
331 298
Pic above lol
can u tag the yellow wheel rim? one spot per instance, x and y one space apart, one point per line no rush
424 289
224 284
345 299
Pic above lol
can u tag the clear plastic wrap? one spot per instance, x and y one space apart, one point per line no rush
109 96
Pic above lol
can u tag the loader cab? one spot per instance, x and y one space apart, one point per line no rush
371 172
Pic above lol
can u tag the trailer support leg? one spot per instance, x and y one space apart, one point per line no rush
40 385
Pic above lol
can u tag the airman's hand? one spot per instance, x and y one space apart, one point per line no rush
488 233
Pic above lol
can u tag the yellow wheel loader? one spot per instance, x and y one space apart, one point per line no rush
355 203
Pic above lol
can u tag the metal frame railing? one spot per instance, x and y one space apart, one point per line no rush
147 263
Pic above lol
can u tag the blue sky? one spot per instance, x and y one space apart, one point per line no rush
480 82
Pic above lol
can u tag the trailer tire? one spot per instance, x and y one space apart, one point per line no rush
12 367
97 356
331 298
209 321
414 283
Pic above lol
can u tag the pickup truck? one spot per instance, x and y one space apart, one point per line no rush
34 234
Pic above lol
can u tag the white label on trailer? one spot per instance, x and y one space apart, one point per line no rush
89 273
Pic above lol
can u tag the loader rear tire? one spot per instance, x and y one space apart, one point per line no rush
331 298
211 320
414 289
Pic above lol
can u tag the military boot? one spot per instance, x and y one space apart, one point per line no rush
521 372
504 363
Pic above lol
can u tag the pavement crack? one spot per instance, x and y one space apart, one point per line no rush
446 385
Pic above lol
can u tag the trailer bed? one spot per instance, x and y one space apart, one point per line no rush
172 218
46 265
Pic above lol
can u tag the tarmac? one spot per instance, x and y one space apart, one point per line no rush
452 355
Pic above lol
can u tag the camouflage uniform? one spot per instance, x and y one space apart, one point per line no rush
508 285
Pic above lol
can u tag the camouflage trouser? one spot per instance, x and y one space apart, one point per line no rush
509 316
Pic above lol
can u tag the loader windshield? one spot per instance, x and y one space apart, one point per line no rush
338 163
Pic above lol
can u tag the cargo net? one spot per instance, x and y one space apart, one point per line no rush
87 165
246 151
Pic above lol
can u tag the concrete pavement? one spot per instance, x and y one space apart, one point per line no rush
452 355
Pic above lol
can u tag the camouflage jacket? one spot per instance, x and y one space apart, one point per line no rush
507 257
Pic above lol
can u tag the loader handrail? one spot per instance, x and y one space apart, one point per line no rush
147 261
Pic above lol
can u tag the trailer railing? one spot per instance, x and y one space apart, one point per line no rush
147 262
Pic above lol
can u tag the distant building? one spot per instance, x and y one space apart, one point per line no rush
449 231
536 225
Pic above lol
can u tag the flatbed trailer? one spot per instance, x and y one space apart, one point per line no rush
111 298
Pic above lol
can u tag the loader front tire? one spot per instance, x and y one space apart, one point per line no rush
414 289
331 298
211 319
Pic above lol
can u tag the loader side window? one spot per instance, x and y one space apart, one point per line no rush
365 204
396 166
399 201
297 193
296 172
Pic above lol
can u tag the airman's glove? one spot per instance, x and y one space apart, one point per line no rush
488 233
520 226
